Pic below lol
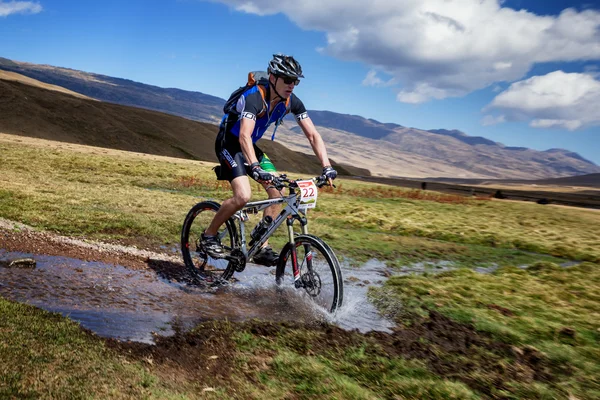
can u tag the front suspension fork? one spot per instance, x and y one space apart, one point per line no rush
292 240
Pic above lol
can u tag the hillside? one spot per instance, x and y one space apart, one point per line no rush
48 114
386 149
192 105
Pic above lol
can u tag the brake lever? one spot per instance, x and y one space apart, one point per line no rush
322 181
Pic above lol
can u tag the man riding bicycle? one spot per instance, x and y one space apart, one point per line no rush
239 156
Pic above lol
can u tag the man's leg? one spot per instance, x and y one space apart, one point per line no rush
274 210
266 256
241 195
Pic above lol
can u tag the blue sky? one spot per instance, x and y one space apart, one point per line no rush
521 72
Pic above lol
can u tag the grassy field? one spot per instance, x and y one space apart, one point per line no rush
547 311
517 333
128 197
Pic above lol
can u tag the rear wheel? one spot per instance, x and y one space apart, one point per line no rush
200 264
320 278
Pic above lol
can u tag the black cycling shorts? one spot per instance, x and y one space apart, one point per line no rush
232 160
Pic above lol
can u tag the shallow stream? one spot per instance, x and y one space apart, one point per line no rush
128 304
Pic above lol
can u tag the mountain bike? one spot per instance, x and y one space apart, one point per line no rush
306 262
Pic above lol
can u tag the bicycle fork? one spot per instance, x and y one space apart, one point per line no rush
296 267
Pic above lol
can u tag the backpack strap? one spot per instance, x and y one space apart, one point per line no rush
280 120
263 93
252 81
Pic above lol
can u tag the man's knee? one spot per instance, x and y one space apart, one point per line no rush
272 192
241 191
240 199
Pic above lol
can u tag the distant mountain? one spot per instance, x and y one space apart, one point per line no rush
568 153
463 137
358 125
193 105
386 149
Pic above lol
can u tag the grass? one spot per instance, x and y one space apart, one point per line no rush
122 198
516 333
295 366
46 356
551 309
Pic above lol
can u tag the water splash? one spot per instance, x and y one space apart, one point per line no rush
127 304
357 312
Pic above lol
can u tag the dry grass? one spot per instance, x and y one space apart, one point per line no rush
13 76
81 190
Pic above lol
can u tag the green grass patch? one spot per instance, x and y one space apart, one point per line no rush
46 356
123 197
295 362
551 309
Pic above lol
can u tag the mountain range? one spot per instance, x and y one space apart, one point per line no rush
386 149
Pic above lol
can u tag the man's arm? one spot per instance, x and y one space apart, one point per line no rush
246 128
315 140
258 174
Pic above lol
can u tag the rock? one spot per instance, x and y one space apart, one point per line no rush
18 263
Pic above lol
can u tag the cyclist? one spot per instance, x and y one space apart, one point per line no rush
239 156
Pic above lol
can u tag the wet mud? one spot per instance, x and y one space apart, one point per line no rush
451 350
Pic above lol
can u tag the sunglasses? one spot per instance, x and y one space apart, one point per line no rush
288 80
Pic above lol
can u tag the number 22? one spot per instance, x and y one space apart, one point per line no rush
308 192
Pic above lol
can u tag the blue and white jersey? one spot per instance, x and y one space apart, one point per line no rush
251 105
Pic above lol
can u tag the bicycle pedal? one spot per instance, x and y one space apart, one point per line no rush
238 259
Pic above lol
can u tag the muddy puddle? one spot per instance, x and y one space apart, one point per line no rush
127 304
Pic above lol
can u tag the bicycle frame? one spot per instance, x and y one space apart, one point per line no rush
290 213
306 257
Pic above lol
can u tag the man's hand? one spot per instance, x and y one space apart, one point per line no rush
329 172
259 174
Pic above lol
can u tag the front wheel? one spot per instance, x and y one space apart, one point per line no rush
320 277
200 264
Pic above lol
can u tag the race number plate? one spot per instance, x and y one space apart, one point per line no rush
308 194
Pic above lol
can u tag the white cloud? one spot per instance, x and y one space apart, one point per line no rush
423 91
19 7
556 123
556 100
440 48
493 120
373 80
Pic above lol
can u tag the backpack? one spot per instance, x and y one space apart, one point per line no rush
255 78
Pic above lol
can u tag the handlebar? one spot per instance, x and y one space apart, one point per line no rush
282 181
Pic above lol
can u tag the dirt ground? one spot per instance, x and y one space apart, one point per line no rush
451 350
29 241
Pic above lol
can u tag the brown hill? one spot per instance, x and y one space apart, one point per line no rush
32 111
13 76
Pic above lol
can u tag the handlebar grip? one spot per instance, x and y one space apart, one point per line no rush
321 181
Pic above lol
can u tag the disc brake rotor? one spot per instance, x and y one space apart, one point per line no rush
311 283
